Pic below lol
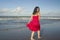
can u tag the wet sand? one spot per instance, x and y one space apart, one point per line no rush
48 32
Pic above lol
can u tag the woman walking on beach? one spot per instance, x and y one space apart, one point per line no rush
33 23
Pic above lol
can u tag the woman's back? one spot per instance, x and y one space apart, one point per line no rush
35 18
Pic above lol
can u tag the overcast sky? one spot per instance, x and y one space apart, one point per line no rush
25 7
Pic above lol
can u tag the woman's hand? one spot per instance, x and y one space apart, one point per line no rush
29 21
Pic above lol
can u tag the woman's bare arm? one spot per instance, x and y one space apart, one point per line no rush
39 16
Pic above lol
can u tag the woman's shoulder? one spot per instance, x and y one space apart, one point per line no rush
35 15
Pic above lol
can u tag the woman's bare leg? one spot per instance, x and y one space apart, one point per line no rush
38 33
32 35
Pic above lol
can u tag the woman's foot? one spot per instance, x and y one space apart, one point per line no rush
32 39
39 37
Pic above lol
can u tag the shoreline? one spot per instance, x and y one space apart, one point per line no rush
24 18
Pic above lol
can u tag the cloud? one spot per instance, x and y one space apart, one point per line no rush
9 11
53 13
50 13
17 10
20 11
5 10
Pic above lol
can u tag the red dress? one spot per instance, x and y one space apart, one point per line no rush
34 24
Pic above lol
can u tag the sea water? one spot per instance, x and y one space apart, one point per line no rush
15 27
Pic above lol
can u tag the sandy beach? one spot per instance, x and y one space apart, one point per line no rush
50 30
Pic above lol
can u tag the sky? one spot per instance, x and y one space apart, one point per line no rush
26 7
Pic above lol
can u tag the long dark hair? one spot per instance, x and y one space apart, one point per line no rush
35 10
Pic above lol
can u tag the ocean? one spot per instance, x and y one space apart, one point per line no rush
14 28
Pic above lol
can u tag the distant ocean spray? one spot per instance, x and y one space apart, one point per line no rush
26 17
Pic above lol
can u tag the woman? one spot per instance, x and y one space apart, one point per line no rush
33 23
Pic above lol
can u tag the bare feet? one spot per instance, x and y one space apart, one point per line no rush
39 37
32 39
